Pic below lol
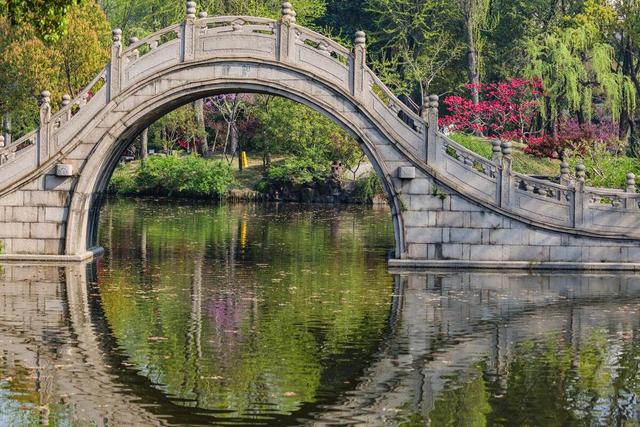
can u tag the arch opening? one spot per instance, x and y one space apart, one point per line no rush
82 228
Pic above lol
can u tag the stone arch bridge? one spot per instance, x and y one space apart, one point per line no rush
450 207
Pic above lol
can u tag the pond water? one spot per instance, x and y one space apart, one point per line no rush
289 315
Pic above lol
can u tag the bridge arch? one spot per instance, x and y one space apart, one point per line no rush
172 91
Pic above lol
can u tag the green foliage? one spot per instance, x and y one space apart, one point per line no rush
521 163
605 168
64 64
412 43
574 62
179 127
288 127
300 170
47 17
188 176
367 187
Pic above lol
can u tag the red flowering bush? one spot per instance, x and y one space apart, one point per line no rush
506 110
575 136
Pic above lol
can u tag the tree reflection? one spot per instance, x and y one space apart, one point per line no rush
247 310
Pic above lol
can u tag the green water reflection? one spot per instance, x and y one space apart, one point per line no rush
250 309
288 315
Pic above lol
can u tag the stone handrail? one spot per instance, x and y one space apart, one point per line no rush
71 106
152 40
574 206
9 152
322 43
392 102
469 158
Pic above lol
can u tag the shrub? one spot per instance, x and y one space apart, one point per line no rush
367 187
304 170
123 181
189 176
604 168
506 110
577 137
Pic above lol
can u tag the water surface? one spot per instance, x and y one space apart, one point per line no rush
288 315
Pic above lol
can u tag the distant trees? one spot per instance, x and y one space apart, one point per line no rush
58 46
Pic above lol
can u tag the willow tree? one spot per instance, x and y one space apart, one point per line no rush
576 64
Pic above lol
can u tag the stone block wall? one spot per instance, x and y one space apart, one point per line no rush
441 225
33 218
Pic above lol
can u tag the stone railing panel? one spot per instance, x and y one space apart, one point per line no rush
10 152
16 165
467 168
612 211
321 56
238 36
408 127
159 50
543 199
72 117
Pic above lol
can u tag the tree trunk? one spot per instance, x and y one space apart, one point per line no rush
626 123
472 57
144 145
199 107
6 125
234 139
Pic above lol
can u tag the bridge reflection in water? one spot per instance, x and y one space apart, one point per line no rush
527 349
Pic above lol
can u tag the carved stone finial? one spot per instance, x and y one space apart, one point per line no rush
45 98
191 10
631 183
496 150
116 35
506 148
202 15
288 14
434 101
66 100
564 168
360 38
581 172
133 40
1 141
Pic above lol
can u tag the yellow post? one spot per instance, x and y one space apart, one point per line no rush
243 160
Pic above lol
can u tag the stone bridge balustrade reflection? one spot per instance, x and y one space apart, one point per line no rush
450 207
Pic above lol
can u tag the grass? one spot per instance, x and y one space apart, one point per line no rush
522 163
604 169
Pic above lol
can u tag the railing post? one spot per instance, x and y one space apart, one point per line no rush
189 33
115 70
631 202
506 189
286 38
434 153
358 64
135 53
44 146
66 100
579 199
565 178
